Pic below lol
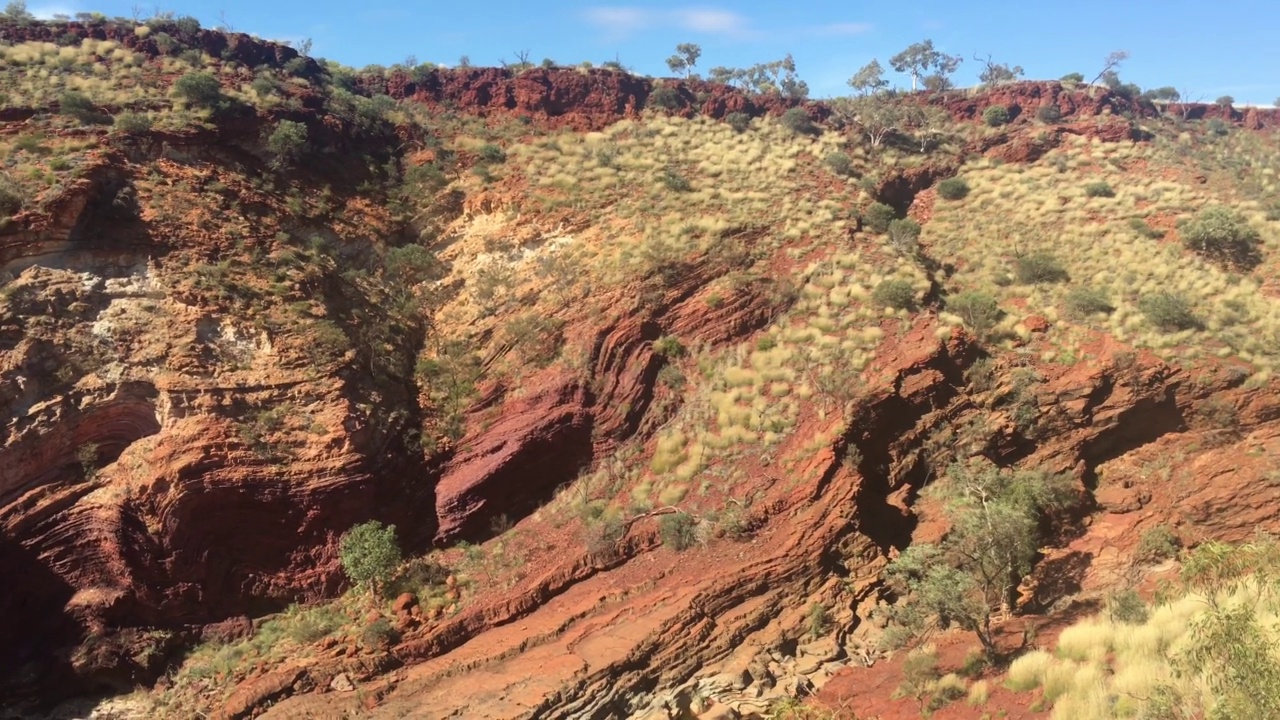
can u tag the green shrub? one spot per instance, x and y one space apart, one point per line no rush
1222 234
10 197
1074 78
79 106
894 293
839 163
669 346
1038 267
1049 114
199 88
664 97
369 554
819 621
904 235
187 25
1084 301
797 121
1168 311
1218 127
877 217
979 310
674 181
132 123
995 116
1140 226
1099 189
739 121
678 530
1157 544
287 142
1127 607
491 153
378 635
953 189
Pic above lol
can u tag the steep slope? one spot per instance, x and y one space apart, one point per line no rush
631 373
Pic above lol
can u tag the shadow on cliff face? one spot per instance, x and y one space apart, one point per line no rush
31 607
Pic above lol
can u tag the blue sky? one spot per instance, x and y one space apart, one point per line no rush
1210 48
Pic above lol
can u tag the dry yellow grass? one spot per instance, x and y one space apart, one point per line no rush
1092 238
1103 669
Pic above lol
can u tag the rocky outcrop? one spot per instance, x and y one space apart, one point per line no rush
527 447
233 46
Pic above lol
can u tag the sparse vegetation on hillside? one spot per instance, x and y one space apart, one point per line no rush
670 326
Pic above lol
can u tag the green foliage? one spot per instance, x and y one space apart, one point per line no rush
11 198
678 530
739 121
1225 101
409 265
1140 226
877 217
1127 607
1082 301
79 106
491 153
1168 311
17 11
450 377
904 235
132 123
287 142
1218 127
869 79
1099 189
378 635
1049 114
995 116
818 620
1074 78
1157 544
839 163
1229 646
774 78
369 554
1039 267
199 88
666 98
87 455
995 519
918 59
798 121
672 180
187 25
1222 234
953 189
894 293
979 310
669 346
537 338
685 58
919 672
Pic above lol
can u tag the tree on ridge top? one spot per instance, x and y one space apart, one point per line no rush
921 57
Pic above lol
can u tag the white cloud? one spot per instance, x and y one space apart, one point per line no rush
620 22
842 28
619 19
623 21
713 22
47 11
